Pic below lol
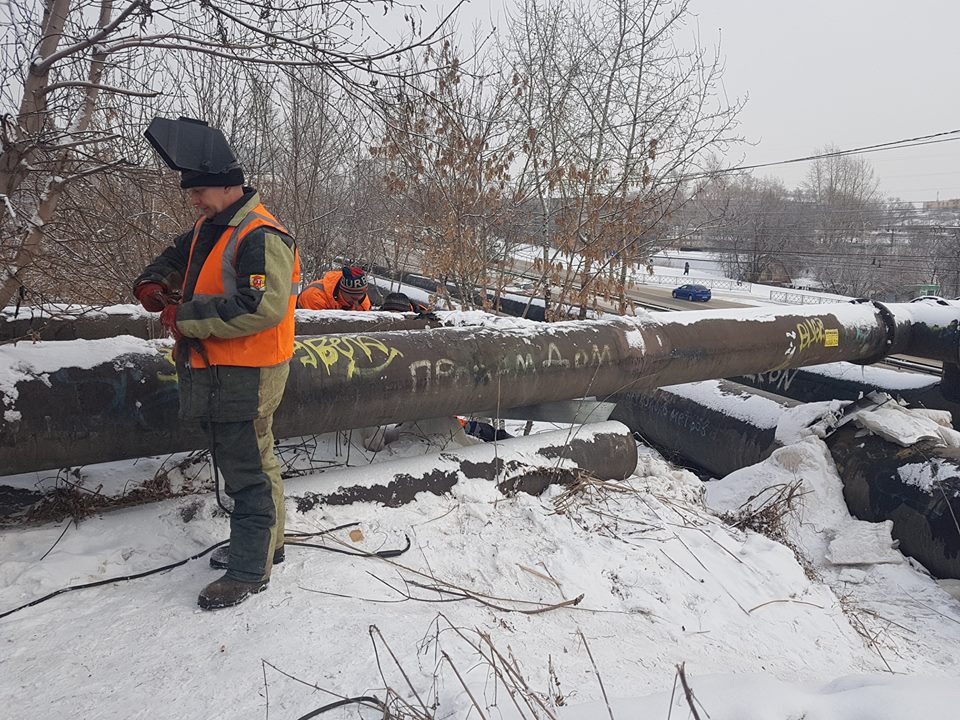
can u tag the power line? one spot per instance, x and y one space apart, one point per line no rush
918 141
868 253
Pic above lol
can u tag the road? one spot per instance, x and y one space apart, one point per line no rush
657 297
660 296
652 297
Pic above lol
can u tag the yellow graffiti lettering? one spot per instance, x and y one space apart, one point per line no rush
810 331
167 353
334 351
305 353
369 345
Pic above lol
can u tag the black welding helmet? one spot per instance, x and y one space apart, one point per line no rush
200 153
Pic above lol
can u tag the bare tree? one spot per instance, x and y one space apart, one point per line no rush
449 151
67 61
756 225
845 199
946 258
617 115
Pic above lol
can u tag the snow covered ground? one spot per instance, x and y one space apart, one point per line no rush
477 618
571 605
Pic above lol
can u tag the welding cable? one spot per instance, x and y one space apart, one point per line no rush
97 583
210 425
366 700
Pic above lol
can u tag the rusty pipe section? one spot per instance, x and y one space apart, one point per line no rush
126 406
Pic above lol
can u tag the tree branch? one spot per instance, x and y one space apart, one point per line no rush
105 88
45 64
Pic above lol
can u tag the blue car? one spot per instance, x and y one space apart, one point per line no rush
692 292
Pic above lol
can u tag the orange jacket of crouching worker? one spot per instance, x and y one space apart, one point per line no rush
344 289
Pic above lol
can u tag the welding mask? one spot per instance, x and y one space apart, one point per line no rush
200 153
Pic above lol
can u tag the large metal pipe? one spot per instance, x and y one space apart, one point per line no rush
130 320
917 487
525 464
843 381
716 425
126 407
604 450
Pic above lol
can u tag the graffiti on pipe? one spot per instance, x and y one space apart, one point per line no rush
807 333
777 379
594 357
424 373
167 352
810 332
791 347
357 354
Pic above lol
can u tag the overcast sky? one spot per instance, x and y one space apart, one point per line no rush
847 72
844 72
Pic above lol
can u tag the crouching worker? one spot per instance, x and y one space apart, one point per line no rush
236 274
400 302
344 289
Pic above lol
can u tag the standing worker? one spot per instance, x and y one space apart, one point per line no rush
226 290
344 289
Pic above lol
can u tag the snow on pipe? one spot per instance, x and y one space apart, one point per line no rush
839 382
126 405
527 464
722 426
917 487
716 425
96 325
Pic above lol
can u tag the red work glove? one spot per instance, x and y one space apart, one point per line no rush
152 295
168 318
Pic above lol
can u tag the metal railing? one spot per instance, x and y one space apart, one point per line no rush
713 283
801 299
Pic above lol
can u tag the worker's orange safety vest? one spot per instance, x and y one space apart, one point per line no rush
218 277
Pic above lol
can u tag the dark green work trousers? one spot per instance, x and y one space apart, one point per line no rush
251 476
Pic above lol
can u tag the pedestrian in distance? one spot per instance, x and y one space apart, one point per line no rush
344 289
226 291
686 268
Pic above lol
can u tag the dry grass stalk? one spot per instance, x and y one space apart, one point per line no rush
692 702
596 672
873 640
587 489
778 503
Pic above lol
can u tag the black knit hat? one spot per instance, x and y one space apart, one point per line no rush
354 279
193 178
396 302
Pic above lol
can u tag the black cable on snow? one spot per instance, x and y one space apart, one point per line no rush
367 700
379 554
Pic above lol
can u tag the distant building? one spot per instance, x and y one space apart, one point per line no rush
953 204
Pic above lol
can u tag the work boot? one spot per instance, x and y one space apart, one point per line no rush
221 556
227 592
